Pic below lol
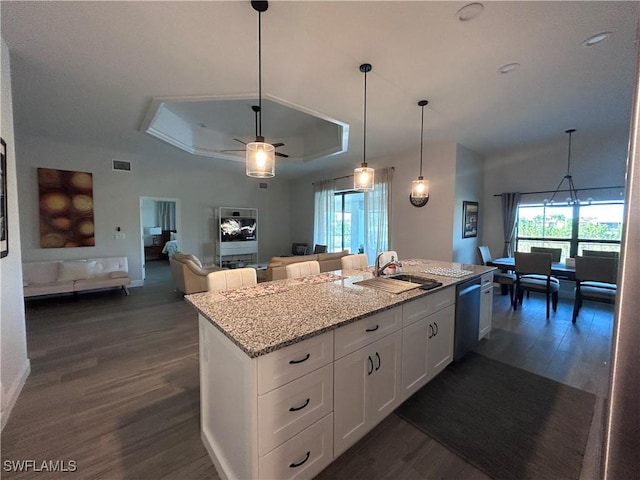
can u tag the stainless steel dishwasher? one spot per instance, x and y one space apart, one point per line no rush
467 317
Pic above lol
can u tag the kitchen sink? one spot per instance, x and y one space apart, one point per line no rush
423 283
398 283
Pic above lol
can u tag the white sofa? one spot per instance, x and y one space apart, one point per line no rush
64 276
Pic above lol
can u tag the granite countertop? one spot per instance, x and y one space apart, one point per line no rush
276 314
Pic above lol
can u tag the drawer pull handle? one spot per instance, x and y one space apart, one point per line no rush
430 330
295 409
371 365
293 362
372 329
436 325
296 465
379 362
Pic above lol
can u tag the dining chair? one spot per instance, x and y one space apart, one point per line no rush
600 253
596 279
505 279
319 248
302 269
533 274
353 262
556 253
299 248
231 278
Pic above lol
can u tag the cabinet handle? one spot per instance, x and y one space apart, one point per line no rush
295 409
430 331
293 362
379 362
372 329
436 325
371 365
295 465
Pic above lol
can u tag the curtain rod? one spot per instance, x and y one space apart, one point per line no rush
344 176
552 191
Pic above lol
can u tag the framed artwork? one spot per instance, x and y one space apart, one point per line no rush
4 228
66 208
469 219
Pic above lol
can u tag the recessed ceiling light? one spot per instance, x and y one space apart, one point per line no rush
469 12
509 67
596 39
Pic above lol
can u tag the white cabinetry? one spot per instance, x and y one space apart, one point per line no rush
237 236
266 417
367 380
427 338
486 305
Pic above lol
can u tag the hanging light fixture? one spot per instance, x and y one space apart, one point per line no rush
363 175
419 195
259 154
573 193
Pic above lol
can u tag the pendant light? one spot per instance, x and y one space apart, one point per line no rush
363 175
573 193
419 195
259 154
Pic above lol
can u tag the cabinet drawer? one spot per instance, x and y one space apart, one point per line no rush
289 363
362 332
287 410
304 456
423 306
486 280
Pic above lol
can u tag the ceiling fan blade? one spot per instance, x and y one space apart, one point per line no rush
284 155
276 145
237 140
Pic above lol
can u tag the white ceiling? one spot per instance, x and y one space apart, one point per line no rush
87 72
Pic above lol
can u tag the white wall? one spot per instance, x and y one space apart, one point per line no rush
199 186
13 355
596 161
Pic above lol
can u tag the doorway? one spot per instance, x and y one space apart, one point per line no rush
160 223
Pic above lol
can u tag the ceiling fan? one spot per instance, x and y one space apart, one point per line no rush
256 110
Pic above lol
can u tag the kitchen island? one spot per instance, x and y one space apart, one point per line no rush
294 372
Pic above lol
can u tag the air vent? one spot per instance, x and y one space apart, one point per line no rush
122 165
263 185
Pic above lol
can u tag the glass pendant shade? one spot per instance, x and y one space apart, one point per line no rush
363 178
420 188
261 160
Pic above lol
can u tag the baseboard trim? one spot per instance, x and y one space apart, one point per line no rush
13 393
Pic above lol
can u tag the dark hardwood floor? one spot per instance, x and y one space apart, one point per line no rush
114 387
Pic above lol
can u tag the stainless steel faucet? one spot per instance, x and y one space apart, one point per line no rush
378 270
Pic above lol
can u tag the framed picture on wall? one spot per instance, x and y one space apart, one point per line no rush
4 228
469 219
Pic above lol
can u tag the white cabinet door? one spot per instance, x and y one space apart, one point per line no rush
366 389
486 311
383 389
414 356
440 348
349 394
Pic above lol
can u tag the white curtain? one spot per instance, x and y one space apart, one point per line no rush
377 211
325 213
166 215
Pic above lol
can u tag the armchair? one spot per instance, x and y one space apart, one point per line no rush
188 274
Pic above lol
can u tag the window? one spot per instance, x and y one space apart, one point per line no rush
349 222
574 228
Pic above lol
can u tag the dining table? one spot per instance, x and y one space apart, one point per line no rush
558 269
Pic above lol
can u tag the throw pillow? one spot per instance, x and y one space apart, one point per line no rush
74 270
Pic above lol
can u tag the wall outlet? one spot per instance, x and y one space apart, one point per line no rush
119 236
